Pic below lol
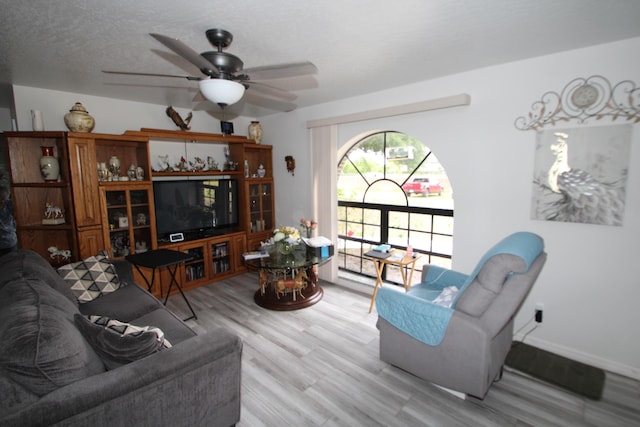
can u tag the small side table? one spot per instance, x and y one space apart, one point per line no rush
404 263
158 259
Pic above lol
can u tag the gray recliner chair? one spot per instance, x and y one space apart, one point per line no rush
453 329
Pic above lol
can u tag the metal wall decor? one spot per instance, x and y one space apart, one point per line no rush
582 99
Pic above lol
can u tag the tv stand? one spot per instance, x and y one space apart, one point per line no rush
190 236
214 257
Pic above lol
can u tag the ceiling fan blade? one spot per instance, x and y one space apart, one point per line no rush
270 92
281 71
128 73
187 53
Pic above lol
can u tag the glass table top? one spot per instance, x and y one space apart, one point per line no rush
301 257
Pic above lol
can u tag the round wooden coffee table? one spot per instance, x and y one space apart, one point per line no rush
288 282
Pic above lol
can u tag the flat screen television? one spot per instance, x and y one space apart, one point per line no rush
197 207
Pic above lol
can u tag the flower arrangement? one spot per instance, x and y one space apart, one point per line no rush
286 238
288 234
308 225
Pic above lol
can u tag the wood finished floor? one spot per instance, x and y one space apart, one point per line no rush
319 366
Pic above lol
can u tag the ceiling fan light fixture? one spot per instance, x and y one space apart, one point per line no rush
221 91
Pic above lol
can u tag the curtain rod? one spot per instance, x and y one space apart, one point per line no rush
416 107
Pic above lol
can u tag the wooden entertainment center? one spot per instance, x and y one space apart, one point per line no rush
120 216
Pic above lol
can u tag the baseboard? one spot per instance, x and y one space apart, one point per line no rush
589 359
365 287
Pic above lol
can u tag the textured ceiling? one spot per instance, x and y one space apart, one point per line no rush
359 46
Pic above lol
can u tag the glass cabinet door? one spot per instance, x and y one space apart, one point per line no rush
261 206
220 257
195 269
128 215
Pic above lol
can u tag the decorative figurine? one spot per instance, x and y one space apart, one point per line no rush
182 124
53 211
164 163
56 253
182 165
229 165
141 219
141 247
53 215
197 165
212 165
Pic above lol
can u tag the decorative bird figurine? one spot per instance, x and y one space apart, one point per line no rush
182 124
584 198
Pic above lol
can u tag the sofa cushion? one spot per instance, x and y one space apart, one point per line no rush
498 269
129 303
174 329
90 278
475 300
42 349
488 283
27 264
119 343
524 245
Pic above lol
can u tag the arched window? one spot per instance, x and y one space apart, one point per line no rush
392 189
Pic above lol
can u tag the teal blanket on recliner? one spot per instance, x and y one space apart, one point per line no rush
415 314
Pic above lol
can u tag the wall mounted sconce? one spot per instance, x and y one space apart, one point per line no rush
291 164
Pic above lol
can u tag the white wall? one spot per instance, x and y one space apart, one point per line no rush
589 286
5 119
111 115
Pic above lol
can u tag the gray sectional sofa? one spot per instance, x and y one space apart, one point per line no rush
50 374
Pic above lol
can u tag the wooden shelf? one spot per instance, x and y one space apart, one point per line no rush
57 184
199 173
182 136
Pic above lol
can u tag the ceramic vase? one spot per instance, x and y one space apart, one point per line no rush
36 121
114 166
78 119
255 132
102 171
49 166
131 173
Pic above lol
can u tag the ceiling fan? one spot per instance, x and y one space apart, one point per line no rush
226 80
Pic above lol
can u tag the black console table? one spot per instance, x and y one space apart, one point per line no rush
158 259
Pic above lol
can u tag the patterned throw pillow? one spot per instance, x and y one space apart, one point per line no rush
118 343
446 297
90 278
122 329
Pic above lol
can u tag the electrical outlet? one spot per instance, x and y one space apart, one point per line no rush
538 313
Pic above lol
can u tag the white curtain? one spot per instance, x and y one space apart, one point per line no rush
324 142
